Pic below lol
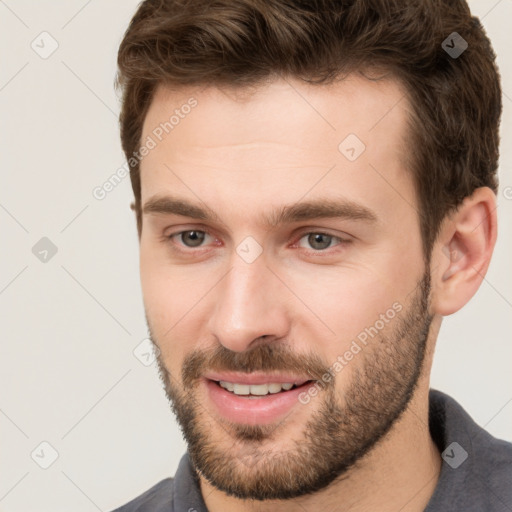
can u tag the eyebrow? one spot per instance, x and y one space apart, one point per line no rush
297 212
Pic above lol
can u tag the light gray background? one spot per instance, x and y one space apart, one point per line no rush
68 374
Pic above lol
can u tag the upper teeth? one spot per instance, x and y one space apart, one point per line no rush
255 389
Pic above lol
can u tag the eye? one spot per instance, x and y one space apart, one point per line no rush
318 241
191 238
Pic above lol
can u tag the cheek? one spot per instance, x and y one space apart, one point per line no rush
165 299
344 305
175 303
346 301
167 289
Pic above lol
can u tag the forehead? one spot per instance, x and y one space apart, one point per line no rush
285 133
280 109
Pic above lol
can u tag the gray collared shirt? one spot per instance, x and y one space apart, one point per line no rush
476 472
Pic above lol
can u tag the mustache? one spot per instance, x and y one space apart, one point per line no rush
268 357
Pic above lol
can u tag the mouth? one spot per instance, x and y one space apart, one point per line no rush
258 402
259 390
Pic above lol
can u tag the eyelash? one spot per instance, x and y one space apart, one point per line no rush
186 249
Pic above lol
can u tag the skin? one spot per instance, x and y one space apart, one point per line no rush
244 156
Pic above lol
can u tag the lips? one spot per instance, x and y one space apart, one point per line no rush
252 409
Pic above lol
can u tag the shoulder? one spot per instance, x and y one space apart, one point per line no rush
179 494
454 424
157 499
492 465
476 472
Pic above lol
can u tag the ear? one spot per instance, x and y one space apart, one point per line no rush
462 252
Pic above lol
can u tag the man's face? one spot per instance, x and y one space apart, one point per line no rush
248 278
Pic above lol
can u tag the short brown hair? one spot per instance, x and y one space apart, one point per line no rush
456 100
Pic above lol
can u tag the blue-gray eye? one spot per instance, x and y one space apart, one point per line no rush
318 241
192 238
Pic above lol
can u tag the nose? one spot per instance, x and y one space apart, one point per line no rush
250 302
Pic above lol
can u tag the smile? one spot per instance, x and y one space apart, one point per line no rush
254 404
256 389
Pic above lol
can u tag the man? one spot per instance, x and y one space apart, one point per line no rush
314 190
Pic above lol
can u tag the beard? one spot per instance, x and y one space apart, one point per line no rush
345 426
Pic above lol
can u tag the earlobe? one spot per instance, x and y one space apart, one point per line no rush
463 251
